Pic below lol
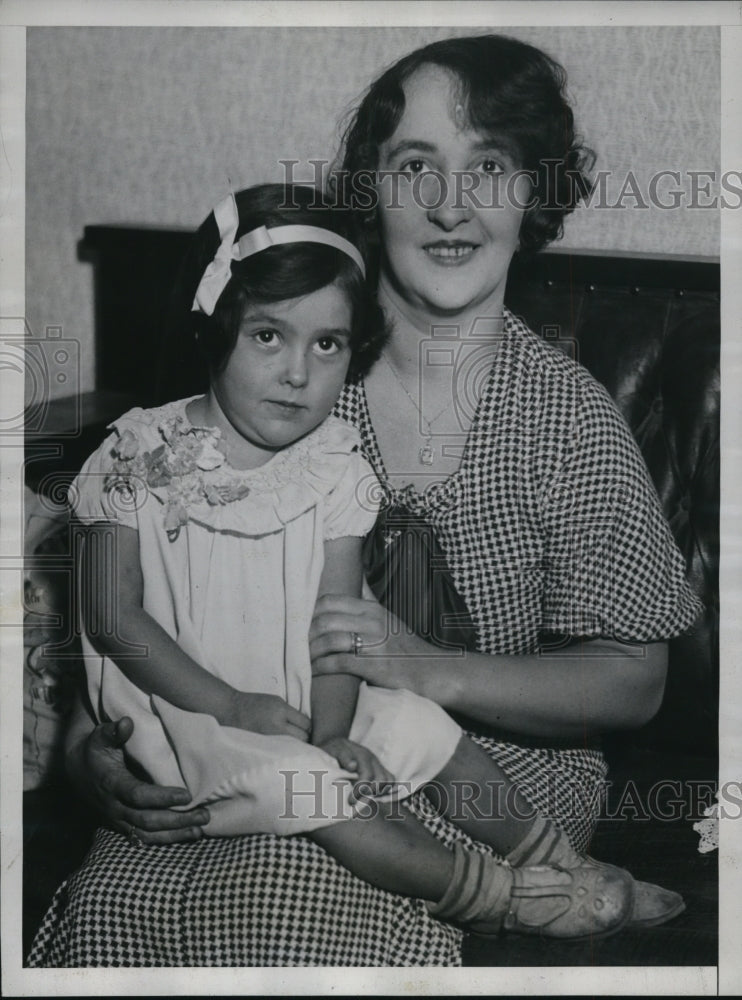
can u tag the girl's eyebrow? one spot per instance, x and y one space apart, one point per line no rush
340 331
266 317
262 317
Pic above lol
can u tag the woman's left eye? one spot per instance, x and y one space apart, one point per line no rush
492 166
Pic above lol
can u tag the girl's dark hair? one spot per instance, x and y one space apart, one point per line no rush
514 94
283 272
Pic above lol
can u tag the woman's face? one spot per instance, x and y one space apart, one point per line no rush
447 255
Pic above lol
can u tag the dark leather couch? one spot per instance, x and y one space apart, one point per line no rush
649 330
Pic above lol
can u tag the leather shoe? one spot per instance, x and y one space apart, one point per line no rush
589 901
654 905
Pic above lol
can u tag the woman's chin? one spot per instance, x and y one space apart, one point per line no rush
446 297
448 306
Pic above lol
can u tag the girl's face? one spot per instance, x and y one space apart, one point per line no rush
285 372
447 255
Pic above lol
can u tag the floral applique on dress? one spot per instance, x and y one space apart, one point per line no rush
159 453
188 466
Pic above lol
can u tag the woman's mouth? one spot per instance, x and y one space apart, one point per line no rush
450 253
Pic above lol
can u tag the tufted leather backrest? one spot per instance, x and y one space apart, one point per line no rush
649 331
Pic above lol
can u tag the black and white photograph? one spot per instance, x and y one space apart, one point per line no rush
370 550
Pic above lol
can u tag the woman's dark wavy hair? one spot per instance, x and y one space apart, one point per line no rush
513 93
281 272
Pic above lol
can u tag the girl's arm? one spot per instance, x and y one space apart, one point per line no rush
587 687
115 622
334 696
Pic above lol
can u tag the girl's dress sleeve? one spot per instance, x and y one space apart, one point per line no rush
105 489
612 566
351 507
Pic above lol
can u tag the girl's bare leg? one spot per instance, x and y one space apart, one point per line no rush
476 794
396 853
509 824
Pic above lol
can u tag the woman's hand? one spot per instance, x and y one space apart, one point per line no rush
135 808
372 777
389 654
266 714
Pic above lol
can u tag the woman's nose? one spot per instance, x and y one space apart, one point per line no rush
449 205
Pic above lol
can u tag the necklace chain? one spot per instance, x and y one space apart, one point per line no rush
426 454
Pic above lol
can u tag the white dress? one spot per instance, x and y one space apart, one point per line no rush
231 562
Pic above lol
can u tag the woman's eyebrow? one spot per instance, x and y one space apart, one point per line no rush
496 144
482 145
422 146
407 144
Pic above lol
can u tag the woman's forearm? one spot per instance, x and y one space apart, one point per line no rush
590 687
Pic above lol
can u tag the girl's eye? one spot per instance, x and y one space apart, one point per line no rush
267 337
327 345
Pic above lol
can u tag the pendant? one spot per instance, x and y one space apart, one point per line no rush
427 455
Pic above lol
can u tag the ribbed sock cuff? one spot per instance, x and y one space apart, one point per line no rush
479 891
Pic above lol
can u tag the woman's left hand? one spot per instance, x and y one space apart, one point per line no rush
351 635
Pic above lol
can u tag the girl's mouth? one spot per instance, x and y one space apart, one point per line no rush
285 407
448 252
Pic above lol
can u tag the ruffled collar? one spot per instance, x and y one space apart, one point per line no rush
182 465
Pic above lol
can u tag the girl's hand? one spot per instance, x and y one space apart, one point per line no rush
373 777
141 811
389 654
266 714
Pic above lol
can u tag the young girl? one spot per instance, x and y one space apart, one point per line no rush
214 524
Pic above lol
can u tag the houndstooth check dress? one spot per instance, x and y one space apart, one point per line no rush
551 525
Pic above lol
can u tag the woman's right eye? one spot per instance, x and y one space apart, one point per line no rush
415 166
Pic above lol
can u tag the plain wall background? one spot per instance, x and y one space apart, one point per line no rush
145 125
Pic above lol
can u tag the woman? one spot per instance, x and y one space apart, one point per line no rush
536 494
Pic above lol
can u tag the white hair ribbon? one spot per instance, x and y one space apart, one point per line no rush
217 274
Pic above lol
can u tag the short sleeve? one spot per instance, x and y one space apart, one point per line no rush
351 507
100 492
612 567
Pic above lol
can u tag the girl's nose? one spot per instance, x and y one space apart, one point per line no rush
448 204
297 371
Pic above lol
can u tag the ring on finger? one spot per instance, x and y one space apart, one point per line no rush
356 642
132 836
